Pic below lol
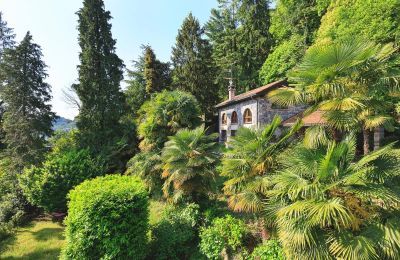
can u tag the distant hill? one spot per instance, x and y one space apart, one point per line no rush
63 124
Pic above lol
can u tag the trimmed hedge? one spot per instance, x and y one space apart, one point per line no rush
107 219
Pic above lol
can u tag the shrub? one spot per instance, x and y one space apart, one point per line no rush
48 186
269 250
224 236
164 115
175 236
107 219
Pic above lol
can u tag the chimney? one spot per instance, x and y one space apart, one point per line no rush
231 90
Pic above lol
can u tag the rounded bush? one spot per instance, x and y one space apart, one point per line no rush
107 219
224 236
47 186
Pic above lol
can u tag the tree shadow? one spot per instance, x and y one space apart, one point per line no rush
45 254
48 233
7 242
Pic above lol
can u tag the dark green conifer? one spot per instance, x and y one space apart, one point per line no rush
156 73
193 65
239 33
28 118
100 73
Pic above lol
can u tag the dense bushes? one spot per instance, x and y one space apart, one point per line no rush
175 236
48 186
225 236
107 219
269 250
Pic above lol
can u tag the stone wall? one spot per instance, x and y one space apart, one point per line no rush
262 113
266 111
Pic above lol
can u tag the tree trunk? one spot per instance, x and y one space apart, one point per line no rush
378 136
264 231
366 140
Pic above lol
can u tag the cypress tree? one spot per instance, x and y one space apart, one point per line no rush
193 66
156 73
100 73
28 117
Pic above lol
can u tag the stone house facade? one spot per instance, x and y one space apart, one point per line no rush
250 109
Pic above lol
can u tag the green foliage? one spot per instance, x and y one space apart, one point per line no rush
269 250
164 115
47 186
378 21
284 57
107 219
148 166
28 118
156 73
190 158
175 235
6 36
191 59
135 93
252 154
238 32
100 72
326 204
354 83
224 234
293 26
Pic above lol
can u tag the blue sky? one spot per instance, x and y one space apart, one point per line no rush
135 22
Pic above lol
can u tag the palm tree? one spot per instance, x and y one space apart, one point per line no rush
148 166
190 158
251 155
354 83
328 205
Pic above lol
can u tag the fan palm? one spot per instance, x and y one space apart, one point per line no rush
354 83
189 159
251 155
328 205
148 166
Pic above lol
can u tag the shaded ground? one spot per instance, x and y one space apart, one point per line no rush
39 240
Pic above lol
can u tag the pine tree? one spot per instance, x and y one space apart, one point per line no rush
193 66
254 39
239 33
28 117
100 73
6 36
156 73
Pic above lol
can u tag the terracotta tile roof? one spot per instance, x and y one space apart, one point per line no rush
314 118
253 93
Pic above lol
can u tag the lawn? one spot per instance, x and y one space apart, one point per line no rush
41 239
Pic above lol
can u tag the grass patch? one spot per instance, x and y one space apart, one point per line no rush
38 240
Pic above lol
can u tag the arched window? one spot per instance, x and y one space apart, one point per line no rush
234 118
247 117
223 119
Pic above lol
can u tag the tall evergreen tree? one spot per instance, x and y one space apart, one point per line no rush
28 117
6 41
255 40
100 73
6 36
193 65
156 73
239 33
